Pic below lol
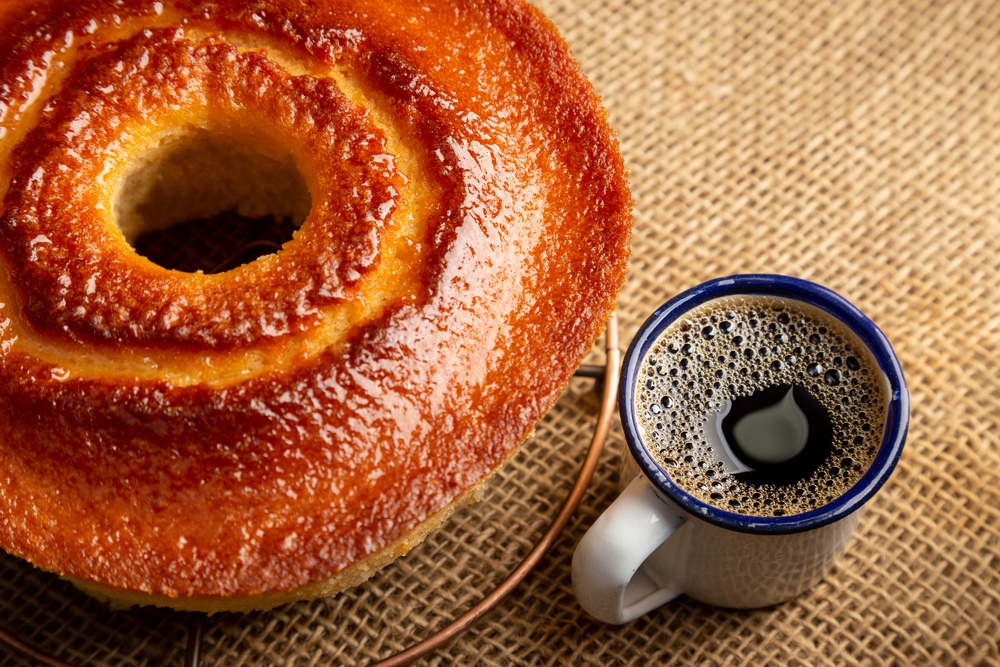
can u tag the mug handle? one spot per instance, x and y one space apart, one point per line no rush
611 552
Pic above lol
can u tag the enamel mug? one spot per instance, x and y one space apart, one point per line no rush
657 541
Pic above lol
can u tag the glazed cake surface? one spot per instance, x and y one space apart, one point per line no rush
279 430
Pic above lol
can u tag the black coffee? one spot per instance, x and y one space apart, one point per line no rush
761 406
752 452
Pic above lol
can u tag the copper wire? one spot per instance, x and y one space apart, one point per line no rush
460 624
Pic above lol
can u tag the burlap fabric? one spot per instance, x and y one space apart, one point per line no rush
856 144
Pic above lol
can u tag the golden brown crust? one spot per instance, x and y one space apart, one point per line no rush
255 431
350 576
79 142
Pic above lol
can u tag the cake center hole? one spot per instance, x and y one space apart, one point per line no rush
204 202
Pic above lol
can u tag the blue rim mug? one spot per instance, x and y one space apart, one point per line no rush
657 541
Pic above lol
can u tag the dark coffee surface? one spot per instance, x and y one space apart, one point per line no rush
817 443
723 353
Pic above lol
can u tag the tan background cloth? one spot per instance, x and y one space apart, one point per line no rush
856 144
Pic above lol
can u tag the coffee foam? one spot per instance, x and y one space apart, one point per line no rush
732 347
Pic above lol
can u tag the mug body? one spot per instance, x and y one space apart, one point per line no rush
736 569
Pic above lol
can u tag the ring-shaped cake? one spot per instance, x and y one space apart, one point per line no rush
282 429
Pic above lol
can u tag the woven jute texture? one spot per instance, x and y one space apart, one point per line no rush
855 144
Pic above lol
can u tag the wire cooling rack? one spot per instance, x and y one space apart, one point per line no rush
606 378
